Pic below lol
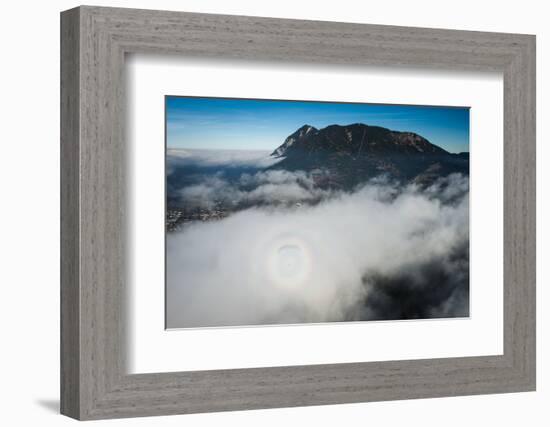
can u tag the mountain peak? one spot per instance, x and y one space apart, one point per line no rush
303 132
356 139
351 153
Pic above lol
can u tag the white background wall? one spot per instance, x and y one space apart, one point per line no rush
29 224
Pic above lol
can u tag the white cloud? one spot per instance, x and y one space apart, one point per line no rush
221 157
261 187
314 263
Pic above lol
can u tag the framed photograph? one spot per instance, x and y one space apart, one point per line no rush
262 213
342 221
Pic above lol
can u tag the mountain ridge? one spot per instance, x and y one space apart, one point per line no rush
355 152
366 135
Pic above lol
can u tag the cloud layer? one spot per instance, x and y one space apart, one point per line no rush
264 187
379 252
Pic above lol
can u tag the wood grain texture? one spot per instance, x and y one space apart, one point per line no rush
70 291
94 382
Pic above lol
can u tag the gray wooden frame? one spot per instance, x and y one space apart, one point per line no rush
94 41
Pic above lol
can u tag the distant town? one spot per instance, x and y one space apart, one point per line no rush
178 218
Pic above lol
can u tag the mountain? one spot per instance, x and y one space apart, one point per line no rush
300 136
353 153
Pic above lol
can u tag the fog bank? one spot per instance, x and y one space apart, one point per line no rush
379 252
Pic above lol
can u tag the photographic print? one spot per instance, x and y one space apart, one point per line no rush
292 212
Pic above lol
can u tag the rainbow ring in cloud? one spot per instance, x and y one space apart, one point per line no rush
288 261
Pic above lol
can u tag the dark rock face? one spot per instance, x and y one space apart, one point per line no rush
353 153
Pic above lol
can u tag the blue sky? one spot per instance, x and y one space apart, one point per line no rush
248 124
